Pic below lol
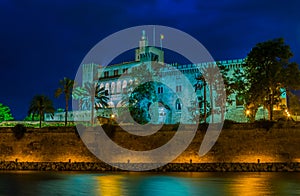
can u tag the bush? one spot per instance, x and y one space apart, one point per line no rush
19 131
265 124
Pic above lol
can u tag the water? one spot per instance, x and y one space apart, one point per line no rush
69 183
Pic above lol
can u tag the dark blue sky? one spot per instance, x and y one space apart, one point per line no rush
44 40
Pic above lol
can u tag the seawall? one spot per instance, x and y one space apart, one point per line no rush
244 145
171 167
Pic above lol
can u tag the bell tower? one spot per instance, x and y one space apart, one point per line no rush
143 41
148 53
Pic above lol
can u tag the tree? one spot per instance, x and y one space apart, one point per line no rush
91 96
5 113
30 117
240 86
268 71
294 104
83 101
213 76
66 86
199 85
140 95
224 86
40 105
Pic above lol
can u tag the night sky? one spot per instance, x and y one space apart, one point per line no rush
43 41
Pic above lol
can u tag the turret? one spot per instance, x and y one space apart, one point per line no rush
148 53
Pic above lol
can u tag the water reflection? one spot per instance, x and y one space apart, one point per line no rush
250 185
67 183
110 185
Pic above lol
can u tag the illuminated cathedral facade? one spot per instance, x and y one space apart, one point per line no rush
116 80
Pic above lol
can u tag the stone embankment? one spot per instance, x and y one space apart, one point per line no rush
171 167
240 147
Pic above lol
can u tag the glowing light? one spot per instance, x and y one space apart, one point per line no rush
112 116
247 112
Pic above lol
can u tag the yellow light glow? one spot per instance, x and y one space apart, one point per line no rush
247 112
110 185
112 116
248 184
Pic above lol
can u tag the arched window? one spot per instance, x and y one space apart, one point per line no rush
178 105
160 90
111 104
101 85
113 86
118 87
107 88
124 87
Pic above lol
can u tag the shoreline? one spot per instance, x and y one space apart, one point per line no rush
170 167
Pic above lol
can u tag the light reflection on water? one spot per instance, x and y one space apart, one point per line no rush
69 183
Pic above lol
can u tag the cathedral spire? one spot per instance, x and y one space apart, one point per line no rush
144 40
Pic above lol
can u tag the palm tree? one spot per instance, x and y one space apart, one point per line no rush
198 86
211 73
66 86
91 96
40 105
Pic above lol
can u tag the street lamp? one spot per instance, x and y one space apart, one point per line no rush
247 112
248 115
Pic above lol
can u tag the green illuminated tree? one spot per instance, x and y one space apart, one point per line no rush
30 117
40 105
201 84
91 97
215 76
140 95
224 87
66 86
267 72
5 113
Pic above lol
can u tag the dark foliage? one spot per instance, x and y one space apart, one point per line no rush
264 124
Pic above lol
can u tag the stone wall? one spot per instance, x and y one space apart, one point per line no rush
171 167
42 145
244 145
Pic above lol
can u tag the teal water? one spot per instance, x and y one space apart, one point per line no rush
69 183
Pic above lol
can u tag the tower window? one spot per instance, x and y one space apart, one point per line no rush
116 72
106 74
178 88
160 90
178 105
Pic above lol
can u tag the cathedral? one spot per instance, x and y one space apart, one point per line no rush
178 98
